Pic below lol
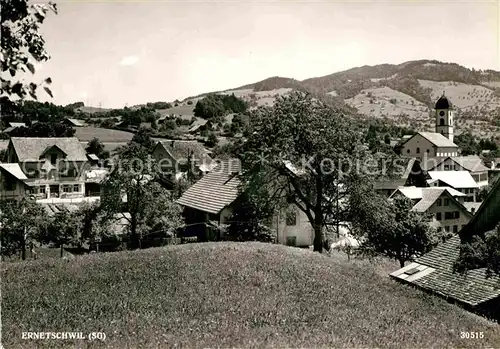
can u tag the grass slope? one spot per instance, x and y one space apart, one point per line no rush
227 295
85 134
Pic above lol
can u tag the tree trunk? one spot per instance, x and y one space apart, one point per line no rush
134 242
23 249
62 251
318 238
401 263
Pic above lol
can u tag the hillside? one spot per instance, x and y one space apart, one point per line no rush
227 295
404 93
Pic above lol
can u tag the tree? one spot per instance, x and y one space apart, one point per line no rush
210 107
301 149
22 222
249 220
64 229
94 146
143 138
44 129
212 140
391 228
480 252
132 188
22 45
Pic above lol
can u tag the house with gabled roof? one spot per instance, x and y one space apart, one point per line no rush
459 180
408 173
434 272
444 204
53 167
174 156
471 163
74 122
209 203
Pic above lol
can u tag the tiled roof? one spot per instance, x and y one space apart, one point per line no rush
430 163
455 179
437 139
436 274
180 150
419 193
17 124
76 122
15 170
471 163
215 190
429 197
31 148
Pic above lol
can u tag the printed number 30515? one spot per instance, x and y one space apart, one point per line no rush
471 335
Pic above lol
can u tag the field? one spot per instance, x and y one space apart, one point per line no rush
227 295
85 134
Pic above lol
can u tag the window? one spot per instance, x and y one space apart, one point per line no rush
441 123
439 202
53 159
408 151
446 167
455 229
66 188
438 216
446 202
457 214
418 150
291 217
41 190
9 184
448 215
291 241
428 150
76 187
447 229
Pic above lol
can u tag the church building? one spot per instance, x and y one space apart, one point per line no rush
434 144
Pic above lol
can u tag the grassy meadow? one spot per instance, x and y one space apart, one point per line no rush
247 295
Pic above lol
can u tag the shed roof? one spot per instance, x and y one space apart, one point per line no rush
215 190
31 148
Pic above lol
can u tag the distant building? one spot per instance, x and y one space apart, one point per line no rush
176 156
434 144
446 205
74 122
408 174
471 163
47 168
459 180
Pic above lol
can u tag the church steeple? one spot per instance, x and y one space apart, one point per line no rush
444 117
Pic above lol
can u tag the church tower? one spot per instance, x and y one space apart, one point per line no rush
444 117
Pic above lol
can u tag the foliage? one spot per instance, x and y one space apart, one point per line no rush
143 138
22 46
75 105
30 111
212 140
480 252
302 133
390 228
250 218
132 189
467 142
44 129
214 106
227 295
159 105
64 229
22 223
96 147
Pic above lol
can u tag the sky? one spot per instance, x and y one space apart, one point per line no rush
112 54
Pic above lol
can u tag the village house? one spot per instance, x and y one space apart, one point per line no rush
176 156
47 167
459 180
445 205
209 204
471 163
74 122
408 173
434 272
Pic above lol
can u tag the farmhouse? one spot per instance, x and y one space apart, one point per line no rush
176 156
459 180
446 205
434 271
209 203
48 168
472 163
74 122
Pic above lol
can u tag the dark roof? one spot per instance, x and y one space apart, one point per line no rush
430 163
179 150
399 176
443 103
31 148
215 190
436 274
